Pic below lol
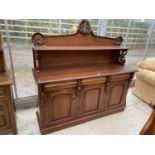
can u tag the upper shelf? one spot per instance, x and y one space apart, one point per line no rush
81 48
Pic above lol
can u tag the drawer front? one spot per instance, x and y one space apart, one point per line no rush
58 85
74 83
120 77
92 81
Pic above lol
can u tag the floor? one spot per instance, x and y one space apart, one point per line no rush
128 122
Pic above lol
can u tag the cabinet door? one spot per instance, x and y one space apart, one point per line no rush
59 106
92 99
116 96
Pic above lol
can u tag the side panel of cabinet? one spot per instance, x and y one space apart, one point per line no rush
92 99
4 116
116 96
5 122
7 116
4 110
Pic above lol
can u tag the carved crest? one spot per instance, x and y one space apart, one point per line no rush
38 39
38 42
119 40
84 27
121 58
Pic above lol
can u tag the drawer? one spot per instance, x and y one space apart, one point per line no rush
90 81
3 92
59 85
120 77
71 84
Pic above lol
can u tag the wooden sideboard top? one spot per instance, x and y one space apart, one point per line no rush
60 73
83 48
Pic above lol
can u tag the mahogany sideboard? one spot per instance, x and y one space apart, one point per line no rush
80 77
7 108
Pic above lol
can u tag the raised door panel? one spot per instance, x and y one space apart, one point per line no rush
92 100
116 96
61 106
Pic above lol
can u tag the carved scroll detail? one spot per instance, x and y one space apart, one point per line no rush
119 41
84 28
121 57
108 84
78 89
38 39
38 42
37 61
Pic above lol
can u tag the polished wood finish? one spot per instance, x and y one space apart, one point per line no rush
7 116
149 127
2 60
80 77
